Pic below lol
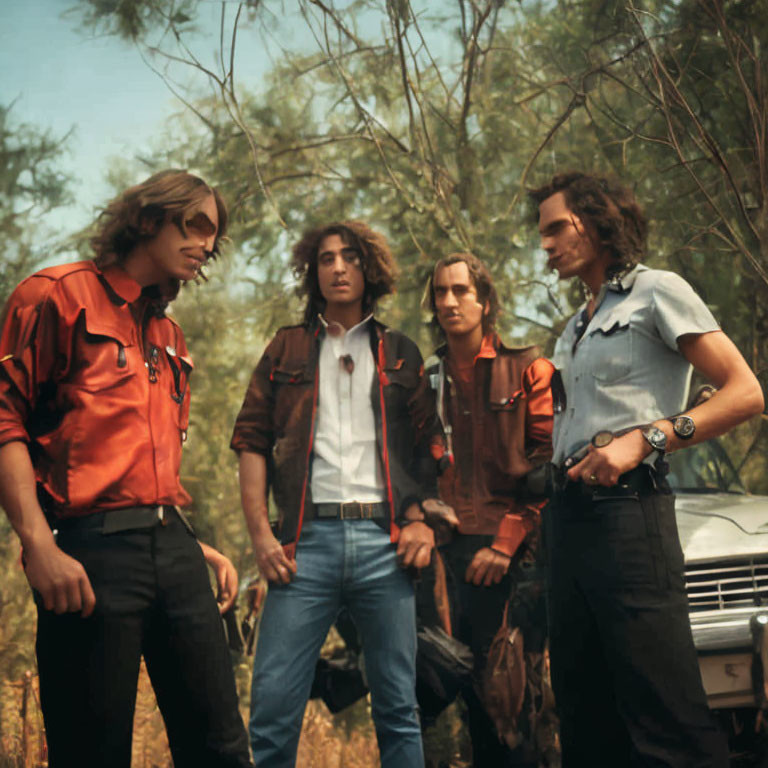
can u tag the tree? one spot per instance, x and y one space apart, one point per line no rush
30 186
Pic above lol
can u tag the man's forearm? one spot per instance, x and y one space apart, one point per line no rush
270 556
253 492
61 580
18 495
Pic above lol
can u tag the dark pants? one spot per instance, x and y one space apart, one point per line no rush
476 615
624 668
153 598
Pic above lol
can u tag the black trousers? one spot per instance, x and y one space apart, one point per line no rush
153 598
476 615
624 667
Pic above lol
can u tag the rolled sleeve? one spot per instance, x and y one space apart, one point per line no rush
678 310
28 353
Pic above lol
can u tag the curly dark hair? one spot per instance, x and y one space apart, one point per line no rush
380 269
481 279
611 209
138 214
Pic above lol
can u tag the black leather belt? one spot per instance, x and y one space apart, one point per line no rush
351 510
126 519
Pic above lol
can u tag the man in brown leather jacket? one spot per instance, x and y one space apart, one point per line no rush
496 408
338 420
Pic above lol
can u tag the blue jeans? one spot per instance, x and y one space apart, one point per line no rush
348 563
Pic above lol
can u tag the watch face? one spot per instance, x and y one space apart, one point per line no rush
656 438
684 427
602 438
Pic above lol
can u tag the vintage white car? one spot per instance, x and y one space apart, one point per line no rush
724 534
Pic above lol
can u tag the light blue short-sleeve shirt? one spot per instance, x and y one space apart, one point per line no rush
626 369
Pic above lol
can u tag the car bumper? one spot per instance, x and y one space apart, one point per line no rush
733 652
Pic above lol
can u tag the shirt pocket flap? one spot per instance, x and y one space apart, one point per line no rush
610 347
101 326
288 374
618 319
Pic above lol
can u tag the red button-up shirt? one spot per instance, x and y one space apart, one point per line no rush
94 378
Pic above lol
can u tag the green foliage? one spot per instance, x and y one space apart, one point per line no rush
30 186
131 19
430 124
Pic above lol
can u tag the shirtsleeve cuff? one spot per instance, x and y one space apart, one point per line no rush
510 536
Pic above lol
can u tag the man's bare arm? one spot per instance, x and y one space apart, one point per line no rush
60 579
738 397
273 563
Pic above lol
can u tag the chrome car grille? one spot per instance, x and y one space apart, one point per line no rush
727 584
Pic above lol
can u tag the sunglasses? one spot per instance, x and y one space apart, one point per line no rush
201 225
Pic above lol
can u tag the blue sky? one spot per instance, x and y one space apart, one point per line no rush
99 87
62 79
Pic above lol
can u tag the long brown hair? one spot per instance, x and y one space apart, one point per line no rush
610 207
379 266
138 213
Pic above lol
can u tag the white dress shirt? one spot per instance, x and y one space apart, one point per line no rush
346 464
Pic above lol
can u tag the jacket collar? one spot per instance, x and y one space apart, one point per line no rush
488 347
125 289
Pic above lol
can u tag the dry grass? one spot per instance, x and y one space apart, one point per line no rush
344 741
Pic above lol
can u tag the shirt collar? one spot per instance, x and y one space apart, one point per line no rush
326 325
624 283
487 347
121 283
621 284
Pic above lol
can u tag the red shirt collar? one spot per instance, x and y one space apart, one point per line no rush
487 347
122 283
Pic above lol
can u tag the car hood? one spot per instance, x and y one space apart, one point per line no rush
721 525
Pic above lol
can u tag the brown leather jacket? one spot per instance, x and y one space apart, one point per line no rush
278 417
500 425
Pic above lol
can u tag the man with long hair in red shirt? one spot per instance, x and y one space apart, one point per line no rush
94 406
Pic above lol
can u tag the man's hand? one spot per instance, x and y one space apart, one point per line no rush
273 563
415 545
60 579
603 466
226 576
487 567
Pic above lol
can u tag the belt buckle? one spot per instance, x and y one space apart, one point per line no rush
343 504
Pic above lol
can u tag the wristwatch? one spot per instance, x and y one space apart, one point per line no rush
655 437
602 438
683 426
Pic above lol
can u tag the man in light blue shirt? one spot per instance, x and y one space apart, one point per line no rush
624 666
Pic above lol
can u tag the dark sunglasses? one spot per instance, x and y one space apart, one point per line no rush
200 224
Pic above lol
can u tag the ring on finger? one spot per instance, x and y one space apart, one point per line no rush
593 478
